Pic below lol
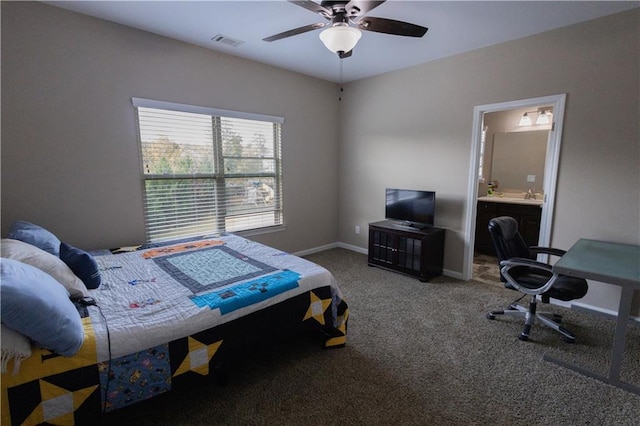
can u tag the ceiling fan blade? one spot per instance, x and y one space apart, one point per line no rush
390 26
295 31
314 7
358 8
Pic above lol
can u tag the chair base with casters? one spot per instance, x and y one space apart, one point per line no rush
530 315
520 271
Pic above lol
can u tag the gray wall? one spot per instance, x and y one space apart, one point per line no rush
69 149
412 128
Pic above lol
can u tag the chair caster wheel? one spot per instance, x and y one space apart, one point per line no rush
569 339
491 316
523 337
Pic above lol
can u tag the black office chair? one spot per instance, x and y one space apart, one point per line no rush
520 271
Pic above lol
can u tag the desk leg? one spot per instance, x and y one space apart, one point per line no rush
620 336
617 351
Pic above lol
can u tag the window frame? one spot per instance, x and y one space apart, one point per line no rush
218 176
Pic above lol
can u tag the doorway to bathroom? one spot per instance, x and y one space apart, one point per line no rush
546 183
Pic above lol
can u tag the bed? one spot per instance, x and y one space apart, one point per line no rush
162 316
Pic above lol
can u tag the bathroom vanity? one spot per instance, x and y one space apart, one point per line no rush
526 211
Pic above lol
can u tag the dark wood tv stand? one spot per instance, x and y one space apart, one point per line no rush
418 252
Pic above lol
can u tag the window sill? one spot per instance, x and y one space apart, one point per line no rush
260 231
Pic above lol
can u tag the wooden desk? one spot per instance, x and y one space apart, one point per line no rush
611 263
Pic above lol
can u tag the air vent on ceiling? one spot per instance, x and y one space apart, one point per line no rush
227 40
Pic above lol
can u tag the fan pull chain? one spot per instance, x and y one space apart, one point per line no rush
341 80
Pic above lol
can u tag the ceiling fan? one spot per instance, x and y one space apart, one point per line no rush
340 37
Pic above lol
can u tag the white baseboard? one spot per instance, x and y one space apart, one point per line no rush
329 247
453 274
353 248
611 314
316 249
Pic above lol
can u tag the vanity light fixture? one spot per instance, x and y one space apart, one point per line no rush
544 117
525 120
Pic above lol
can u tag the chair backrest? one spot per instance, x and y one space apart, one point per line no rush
507 241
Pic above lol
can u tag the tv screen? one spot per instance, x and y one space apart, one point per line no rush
412 207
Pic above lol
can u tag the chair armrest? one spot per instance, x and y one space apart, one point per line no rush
521 261
547 250
508 264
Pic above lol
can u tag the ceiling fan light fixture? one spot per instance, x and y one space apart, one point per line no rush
340 38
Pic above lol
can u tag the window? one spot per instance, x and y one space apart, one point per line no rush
208 171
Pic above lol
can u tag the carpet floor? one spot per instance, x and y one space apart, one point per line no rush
416 354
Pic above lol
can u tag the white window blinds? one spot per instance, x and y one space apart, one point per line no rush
208 171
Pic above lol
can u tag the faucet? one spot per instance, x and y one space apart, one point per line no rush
530 195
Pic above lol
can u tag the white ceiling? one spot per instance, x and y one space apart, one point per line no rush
454 27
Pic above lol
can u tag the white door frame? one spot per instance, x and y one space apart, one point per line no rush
550 169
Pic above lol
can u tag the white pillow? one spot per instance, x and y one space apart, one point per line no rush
46 262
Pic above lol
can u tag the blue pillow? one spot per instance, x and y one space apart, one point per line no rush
33 303
82 264
35 235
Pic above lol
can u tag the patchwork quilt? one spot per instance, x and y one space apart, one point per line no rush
167 314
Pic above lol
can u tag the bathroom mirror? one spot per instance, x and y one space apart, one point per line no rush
518 160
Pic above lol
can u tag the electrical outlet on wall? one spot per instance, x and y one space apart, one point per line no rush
531 178
357 229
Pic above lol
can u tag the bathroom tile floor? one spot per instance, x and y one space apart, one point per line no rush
486 269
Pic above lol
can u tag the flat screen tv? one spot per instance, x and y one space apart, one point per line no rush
411 207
